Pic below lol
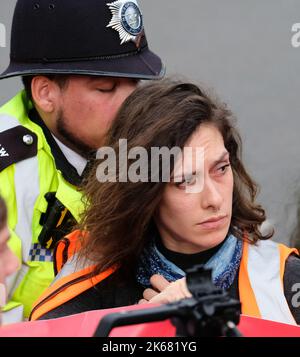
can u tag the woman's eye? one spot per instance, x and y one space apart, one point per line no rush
222 169
187 182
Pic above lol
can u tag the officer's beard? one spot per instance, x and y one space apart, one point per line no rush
71 140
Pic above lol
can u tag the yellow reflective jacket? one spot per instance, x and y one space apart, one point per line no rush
23 185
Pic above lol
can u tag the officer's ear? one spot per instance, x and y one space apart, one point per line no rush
45 93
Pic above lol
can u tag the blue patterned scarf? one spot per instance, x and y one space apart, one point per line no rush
224 264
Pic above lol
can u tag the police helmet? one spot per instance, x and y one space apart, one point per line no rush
88 37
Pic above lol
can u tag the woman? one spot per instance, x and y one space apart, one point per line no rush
8 261
132 231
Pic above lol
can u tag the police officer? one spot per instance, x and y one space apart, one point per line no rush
79 61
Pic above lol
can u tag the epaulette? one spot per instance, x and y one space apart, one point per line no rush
16 144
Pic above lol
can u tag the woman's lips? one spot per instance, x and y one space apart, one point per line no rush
213 222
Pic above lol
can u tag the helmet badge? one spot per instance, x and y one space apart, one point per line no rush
127 19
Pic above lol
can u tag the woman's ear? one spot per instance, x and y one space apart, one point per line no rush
45 93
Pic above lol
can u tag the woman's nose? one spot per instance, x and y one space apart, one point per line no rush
211 197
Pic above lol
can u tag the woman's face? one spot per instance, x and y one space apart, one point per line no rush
193 222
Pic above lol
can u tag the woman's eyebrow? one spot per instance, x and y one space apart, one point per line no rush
222 157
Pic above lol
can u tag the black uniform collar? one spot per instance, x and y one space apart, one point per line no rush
68 171
186 261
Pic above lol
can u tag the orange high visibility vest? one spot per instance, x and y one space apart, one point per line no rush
260 282
260 279
71 279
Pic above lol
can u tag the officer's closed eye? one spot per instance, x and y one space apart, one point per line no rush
107 88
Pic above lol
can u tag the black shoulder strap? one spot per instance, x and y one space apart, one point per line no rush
17 144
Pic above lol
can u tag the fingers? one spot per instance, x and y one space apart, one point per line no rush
142 301
173 292
163 298
165 292
159 283
149 294
184 289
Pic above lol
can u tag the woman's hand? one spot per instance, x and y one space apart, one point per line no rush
164 292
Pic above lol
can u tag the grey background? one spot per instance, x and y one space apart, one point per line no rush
243 50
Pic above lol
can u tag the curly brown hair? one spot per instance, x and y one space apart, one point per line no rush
118 216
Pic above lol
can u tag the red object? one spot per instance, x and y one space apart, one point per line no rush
85 324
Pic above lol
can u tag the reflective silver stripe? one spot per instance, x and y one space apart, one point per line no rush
264 275
7 122
27 190
73 265
13 316
13 281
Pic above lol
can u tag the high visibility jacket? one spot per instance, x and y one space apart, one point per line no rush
260 280
23 185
